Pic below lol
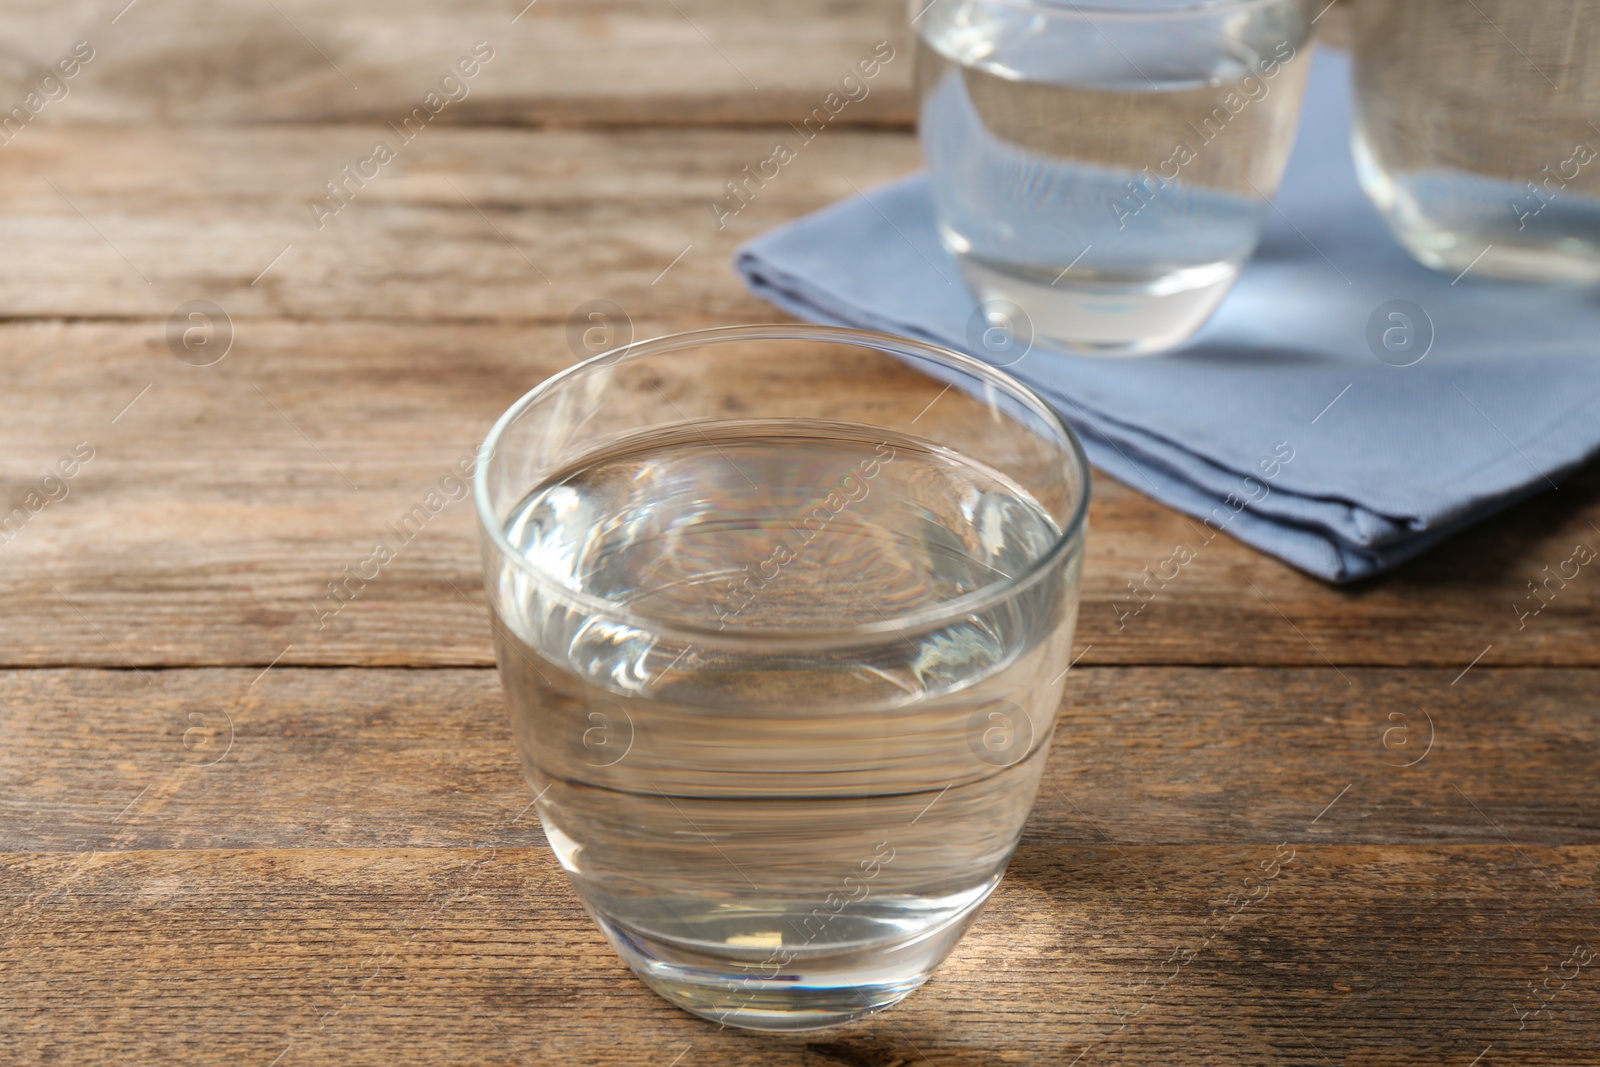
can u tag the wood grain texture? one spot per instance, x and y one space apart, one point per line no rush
217 509
555 61
463 224
187 759
1349 955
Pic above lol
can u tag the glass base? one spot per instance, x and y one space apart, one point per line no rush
1104 316
1456 222
816 989
1495 253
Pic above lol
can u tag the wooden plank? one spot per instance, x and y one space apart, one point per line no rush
404 758
567 62
553 61
216 510
463 224
1349 954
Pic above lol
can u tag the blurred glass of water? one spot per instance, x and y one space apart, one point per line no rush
1477 135
1106 166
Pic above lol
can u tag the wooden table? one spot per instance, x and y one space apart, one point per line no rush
235 833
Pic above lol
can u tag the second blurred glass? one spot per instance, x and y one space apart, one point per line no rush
1477 138
1106 166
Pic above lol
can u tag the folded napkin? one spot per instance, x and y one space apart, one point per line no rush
1276 423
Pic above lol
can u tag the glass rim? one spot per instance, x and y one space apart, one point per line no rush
888 344
1101 9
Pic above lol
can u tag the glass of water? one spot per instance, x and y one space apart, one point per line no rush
1107 166
1477 135
782 627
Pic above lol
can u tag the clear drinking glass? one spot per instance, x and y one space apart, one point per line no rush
1477 135
1106 166
782 629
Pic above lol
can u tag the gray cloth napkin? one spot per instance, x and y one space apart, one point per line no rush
1277 423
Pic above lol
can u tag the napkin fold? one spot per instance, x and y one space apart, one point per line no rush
1277 423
